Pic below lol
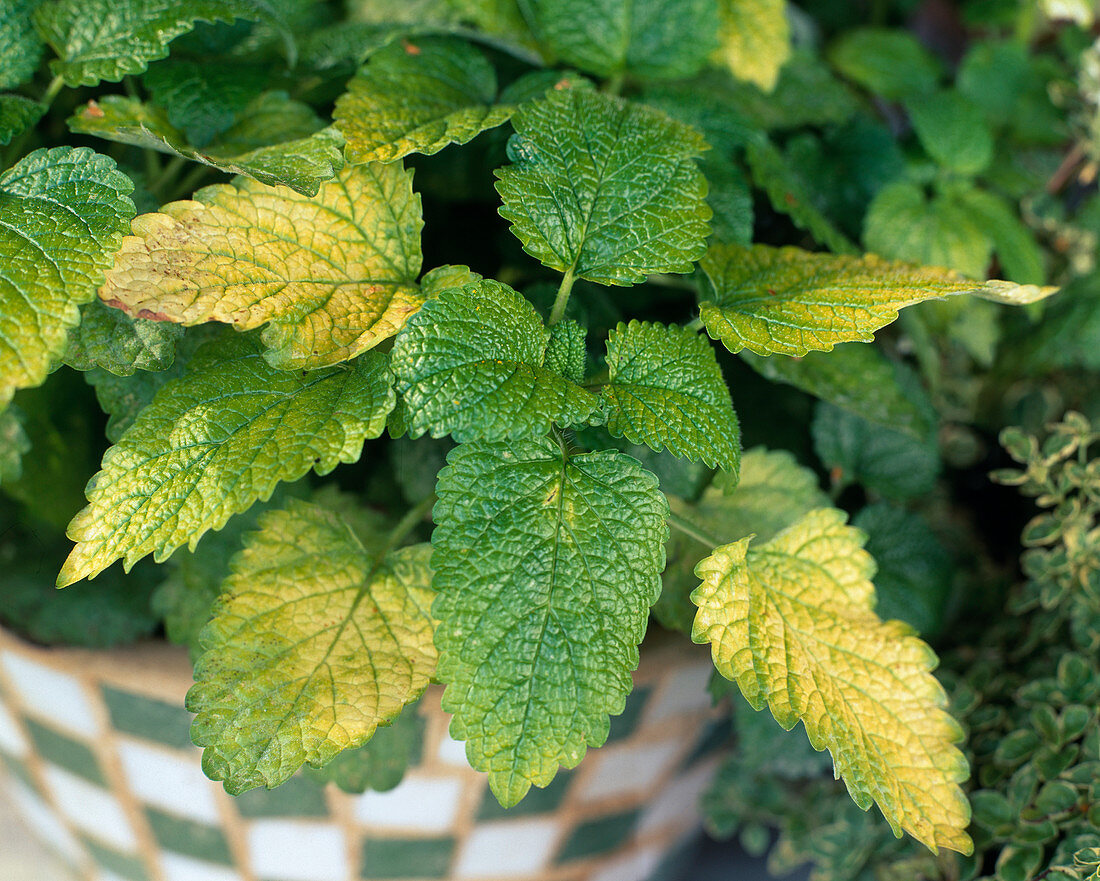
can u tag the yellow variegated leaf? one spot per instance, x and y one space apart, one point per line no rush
755 39
302 660
792 623
788 301
331 275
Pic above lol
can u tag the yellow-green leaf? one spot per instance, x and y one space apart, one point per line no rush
789 301
755 39
216 440
318 639
331 275
792 623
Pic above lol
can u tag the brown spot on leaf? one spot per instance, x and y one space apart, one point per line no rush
410 48
93 111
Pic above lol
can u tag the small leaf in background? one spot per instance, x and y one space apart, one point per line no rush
789 301
730 198
203 99
544 594
110 339
17 114
888 462
382 761
952 131
1015 245
665 389
914 569
331 276
887 62
275 140
755 39
604 189
772 493
856 377
791 622
418 98
644 39
108 39
301 661
470 364
63 213
20 45
14 444
189 463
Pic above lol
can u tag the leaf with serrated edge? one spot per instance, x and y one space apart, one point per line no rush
382 761
108 39
546 565
63 212
302 659
215 441
301 164
792 623
332 275
17 114
111 339
418 99
470 364
755 39
789 301
605 189
666 389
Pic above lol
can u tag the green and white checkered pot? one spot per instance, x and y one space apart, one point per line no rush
100 764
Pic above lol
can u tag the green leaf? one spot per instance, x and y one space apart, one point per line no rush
303 660
108 39
381 763
546 565
646 39
755 39
854 450
730 198
790 302
14 444
772 493
189 461
470 364
331 276
576 198
890 63
20 45
63 213
418 98
111 339
17 114
202 99
787 193
791 622
855 377
1018 252
255 146
952 131
666 389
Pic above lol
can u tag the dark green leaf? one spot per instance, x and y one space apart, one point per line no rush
17 114
890 63
20 46
110 339
381 763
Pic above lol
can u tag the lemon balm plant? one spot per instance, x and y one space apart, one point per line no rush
210 209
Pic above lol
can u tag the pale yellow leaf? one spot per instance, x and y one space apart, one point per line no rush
754 39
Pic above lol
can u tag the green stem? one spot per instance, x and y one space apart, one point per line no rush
693 531
189 184
562 299
53 90
696 324
614 85
171 170
410 521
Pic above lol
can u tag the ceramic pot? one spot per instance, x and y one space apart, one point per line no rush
100 764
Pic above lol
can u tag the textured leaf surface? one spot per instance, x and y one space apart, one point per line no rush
648 39
605 189
20 45
470 364
204 98
418 99
792 623
63 213
111 339
332 275
17 114
755 39
790 302
666 389
108 39
855 377
303 660
772 493
381 762
215 441
264 153
953 131
546 566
